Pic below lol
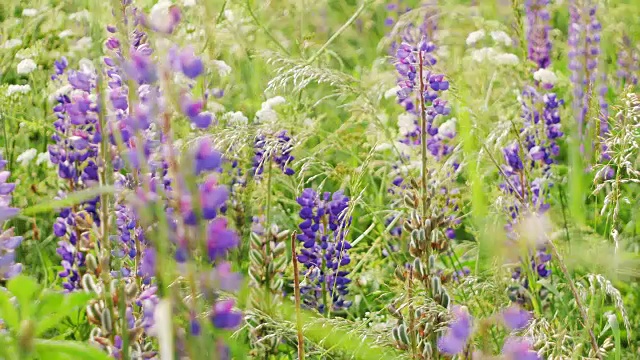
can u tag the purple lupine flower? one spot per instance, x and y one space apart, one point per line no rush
458 333
190 64
324 248
224 317
534 155
539 45
516 318
584 43
75 152
6 211
276 148
628 61
206 158
519 349
220 239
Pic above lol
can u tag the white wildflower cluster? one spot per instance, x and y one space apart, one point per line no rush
492 54
11 43
80 15
29 12
25 158
236 118
26 66
545 76
65 33
18 89
223 68
406 123
267 114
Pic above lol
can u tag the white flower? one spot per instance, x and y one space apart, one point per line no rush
26 157
273 102
393 92
11 43
188 3
44 157
160 16
448 128
21 89
29 12
223 68
545 76
501 37
406 123
236 118
86 66
80 15
266 115
82 44
65 33
481 55
215 107
64 90
26 66
506 59
475 36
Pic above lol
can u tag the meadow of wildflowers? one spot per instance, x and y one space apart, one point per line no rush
329 179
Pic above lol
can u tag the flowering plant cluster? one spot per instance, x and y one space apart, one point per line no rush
409 180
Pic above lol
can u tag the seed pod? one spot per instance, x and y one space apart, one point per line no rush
394 311
396 334
408 201
404 337
91 263
280 263
256 240
89 284
256 257
91 315
418 313
445 300
436 285
413 249
432 263
406 226
277 284
256 276
95 332
400 273
282 234
113 288
427 351
105 319
131 289
428 227
415 218
279 249
419 268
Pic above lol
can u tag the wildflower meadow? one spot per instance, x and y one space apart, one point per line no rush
320 179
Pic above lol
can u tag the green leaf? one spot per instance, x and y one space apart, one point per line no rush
8 311
615 328
67 305
72 199
24 288
51 349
